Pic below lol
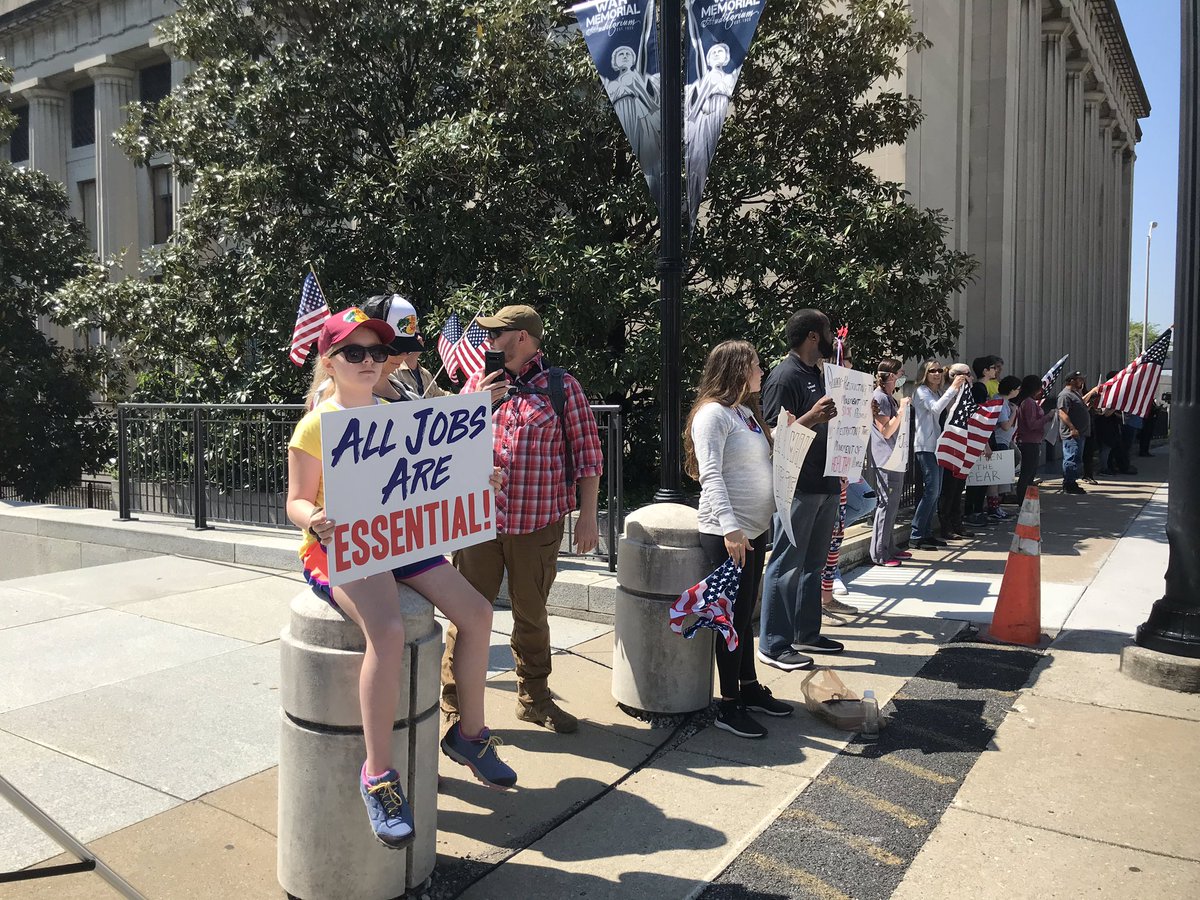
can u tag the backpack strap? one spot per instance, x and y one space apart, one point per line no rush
558 400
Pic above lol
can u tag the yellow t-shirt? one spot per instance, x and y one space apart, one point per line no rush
307 439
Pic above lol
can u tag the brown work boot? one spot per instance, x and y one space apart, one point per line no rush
548 714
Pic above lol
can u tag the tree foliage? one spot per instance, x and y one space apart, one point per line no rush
1153 333
49 430
464 153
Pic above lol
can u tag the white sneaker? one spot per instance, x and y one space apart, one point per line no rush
839 587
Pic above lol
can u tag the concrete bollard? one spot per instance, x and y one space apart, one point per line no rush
326 847
654 669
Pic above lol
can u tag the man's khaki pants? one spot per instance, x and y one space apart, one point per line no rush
531 561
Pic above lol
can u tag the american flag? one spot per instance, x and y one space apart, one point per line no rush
309 318
712 603
1132 389
967 431
459 351
1052 376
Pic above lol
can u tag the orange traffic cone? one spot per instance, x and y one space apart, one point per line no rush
1018 615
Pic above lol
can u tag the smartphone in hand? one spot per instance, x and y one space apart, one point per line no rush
493 361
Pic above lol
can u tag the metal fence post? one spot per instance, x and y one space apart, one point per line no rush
199 474
123 478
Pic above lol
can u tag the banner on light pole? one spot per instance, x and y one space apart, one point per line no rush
622 38
719 35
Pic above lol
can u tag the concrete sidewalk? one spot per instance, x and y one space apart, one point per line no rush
138 704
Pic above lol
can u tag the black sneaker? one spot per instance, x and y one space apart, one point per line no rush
758 697
788 660
821 644
732 717
1073 489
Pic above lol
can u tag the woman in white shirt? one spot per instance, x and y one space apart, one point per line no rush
728 450
930 401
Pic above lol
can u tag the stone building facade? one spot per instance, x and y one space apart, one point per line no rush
1028 144
1031 119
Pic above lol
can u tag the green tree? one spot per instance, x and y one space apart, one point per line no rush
465 153
1153 333
49 429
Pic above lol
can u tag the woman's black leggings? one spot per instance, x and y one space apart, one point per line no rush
1030 460
736 667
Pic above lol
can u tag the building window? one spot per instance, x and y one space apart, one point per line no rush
83 116
18 142
87 203
154 83
164 209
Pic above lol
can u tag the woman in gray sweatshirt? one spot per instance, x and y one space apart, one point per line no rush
728 450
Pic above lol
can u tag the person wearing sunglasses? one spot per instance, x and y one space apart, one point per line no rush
930 401
403 377
352 349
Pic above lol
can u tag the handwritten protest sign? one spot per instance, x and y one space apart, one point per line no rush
791 446
846 443
1000 469
406 481
898 461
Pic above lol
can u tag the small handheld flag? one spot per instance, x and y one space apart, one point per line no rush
1052 376
1132 389
712 603
462 350
309 318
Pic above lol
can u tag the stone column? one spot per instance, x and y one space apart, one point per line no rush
1092 212
1128 157
48 131
116 186
1074 216
1031 130
1051 331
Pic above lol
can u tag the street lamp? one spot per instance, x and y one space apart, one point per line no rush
1146 300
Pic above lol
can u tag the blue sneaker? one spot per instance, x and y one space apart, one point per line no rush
480 757
391 816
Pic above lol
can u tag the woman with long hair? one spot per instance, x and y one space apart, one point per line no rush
1031 428
728 450
888 419
932 398
351 352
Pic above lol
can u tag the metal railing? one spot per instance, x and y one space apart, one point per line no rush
90 493
228 463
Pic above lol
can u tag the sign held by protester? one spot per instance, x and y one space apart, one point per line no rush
849 431
406 481
791 446
898 461
999 469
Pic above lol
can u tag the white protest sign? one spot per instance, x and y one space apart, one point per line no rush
1000 469
406 481
898 461
849 431
791 446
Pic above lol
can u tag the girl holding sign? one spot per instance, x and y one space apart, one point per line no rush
352 350
728 450
888 418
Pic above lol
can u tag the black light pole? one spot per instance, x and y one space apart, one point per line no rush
1174 623
670 256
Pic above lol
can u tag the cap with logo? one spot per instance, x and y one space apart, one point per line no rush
339 326
509 318
402 316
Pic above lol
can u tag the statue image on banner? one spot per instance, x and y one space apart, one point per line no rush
622 39
719 38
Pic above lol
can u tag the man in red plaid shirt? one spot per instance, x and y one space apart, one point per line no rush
537 495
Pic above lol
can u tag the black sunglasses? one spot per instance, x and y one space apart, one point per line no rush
494 333
356 353
935 371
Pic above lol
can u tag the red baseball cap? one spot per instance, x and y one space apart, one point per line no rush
339 326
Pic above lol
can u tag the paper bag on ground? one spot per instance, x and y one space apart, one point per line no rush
827 697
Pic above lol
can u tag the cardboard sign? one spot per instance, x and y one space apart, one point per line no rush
1000 469
898 461
791 446
849 431
406 481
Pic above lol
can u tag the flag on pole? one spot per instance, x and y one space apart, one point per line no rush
309 318
462 351
1132 389
712 602
967 431
1052 376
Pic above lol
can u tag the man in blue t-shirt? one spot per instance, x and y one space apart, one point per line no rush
791 605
